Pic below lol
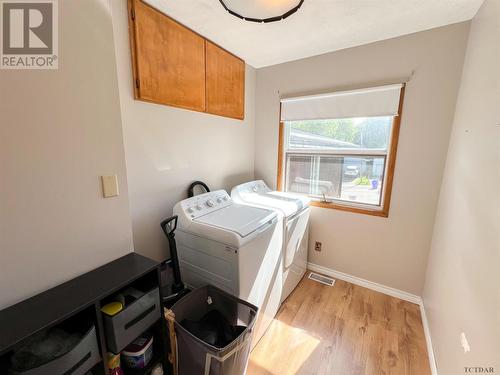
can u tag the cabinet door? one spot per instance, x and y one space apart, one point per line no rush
168 59
225 83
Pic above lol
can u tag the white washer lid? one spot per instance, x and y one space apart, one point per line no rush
238 218
289 204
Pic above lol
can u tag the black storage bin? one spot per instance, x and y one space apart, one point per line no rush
195 356
78 361
121 329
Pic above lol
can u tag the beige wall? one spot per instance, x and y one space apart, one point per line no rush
462 289
389 251
59 131
168 148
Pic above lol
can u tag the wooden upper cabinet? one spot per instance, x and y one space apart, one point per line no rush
168 59
175 66
225 82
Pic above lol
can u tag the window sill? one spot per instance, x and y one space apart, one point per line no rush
359 210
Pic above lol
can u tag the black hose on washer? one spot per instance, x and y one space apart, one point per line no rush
193 185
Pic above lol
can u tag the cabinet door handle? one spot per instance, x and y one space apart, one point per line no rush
140 316
78 364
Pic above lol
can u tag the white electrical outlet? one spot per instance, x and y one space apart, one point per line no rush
464 342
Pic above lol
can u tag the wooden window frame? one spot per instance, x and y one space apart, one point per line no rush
383 209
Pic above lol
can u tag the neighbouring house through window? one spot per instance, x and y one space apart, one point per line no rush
340 148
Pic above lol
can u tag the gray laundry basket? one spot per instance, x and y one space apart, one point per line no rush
192 356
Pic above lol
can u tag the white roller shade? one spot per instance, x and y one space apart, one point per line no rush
370 102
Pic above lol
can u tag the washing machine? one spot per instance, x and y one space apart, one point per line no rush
293 211
234 247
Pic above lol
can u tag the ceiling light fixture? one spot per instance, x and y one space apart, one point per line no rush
262 11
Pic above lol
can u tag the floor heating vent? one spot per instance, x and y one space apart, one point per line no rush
321 279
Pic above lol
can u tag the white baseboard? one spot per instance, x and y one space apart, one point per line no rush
428 340
390 292
366 283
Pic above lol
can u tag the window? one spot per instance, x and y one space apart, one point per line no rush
341 162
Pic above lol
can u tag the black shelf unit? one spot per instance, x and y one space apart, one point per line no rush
78 298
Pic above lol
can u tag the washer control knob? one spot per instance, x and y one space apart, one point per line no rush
225 198
190 210
219 200
210 203
198 207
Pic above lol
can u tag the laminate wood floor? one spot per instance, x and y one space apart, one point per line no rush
342 330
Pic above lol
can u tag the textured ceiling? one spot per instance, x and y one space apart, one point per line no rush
319 26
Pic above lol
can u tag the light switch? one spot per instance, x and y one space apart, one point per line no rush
110 186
